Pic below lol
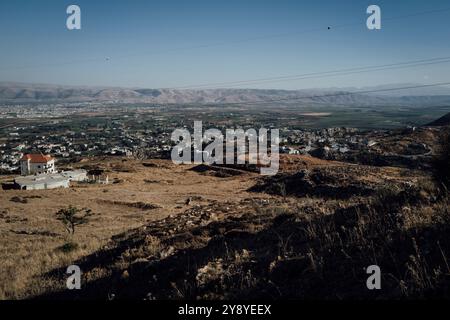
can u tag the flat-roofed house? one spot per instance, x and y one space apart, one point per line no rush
50 180
42 181
36 164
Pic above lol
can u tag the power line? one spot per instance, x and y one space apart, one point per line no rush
322 74
337 94
287 34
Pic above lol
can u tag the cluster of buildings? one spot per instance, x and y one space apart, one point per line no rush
331 140
69 145
141 133
44 110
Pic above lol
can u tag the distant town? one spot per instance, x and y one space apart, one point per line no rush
70 132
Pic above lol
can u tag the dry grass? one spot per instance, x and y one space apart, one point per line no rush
146 241
281 248
31 235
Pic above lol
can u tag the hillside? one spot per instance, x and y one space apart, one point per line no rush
300 246
162 231
443 121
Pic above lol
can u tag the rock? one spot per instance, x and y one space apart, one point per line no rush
125 275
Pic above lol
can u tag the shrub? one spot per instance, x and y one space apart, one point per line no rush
68 247
71 217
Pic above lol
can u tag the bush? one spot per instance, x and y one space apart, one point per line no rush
68 247
71 217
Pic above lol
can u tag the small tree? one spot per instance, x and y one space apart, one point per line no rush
72 217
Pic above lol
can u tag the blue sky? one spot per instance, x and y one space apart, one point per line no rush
171 43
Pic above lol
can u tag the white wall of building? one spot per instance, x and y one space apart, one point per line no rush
29 168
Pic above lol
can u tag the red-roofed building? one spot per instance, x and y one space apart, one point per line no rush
36 164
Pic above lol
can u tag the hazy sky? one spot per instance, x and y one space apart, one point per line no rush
173 43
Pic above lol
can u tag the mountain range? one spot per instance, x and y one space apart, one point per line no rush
382 95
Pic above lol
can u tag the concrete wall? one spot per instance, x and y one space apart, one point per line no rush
76 175
24 167
48 185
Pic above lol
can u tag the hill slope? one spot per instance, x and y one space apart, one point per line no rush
442 121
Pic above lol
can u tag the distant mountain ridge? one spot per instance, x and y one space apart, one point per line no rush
28 93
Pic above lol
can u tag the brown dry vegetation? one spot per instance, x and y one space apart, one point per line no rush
308 232
31 236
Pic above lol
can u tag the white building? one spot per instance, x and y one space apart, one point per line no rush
42 181
75 175
36 164
50 180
